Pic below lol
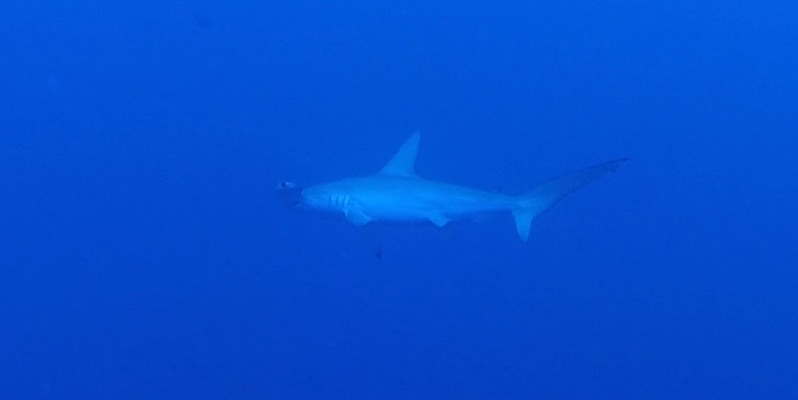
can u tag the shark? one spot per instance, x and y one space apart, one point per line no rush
397 194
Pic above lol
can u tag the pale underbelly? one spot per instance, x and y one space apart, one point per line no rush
417 214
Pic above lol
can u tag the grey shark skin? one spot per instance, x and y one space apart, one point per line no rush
397 194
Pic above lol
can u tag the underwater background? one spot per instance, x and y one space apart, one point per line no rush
144 255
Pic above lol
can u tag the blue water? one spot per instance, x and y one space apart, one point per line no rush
144 255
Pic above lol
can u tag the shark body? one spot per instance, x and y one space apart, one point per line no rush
397 194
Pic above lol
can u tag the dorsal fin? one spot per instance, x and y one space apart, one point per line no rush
403 162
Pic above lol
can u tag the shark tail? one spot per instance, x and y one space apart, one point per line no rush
530 205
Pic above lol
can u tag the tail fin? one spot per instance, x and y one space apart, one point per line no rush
530 205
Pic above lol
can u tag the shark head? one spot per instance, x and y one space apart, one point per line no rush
359 199
329 197
289 193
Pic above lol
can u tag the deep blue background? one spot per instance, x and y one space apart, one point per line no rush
144 255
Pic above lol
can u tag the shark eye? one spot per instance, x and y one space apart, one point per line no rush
286 185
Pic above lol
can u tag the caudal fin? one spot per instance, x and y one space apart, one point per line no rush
530 205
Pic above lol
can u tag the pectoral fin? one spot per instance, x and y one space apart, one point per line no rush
439 220
357 218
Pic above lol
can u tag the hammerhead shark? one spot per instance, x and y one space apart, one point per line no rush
397 194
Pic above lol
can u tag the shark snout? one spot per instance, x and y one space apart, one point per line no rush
289 193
